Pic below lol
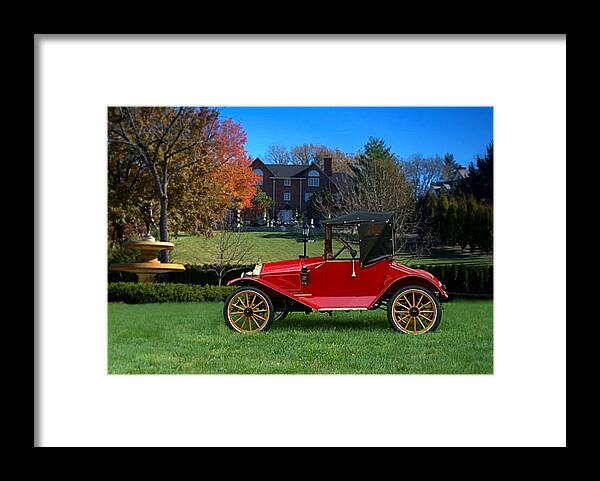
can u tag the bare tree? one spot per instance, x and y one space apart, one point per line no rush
277 154
232 248
421 172
306 153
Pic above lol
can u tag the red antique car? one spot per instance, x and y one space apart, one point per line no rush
340 282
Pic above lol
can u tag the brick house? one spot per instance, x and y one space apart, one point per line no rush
291 186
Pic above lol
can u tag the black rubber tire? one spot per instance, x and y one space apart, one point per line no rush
390 306
280 315
270 317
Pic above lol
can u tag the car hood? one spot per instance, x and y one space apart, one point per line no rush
293 265
280 267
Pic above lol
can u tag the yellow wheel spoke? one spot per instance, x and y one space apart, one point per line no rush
235 304
403 299
420 322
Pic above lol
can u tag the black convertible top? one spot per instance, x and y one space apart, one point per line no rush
374 231
359 217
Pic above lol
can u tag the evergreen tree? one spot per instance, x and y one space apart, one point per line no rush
379 183
471 223
480 181
452 223
367 162
444 231
449 167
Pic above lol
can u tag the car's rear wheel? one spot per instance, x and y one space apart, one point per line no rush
248 309
281 315
414 310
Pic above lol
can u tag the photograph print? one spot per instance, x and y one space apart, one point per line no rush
300 240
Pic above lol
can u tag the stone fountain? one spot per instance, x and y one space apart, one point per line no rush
148 265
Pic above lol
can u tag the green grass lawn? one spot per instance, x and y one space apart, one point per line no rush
275 246
193 339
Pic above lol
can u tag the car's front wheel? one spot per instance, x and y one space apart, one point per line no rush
248 309
414 310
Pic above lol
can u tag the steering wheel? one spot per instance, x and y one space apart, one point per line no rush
346 245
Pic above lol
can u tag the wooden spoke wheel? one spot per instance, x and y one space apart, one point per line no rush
414 310
248 309
281 315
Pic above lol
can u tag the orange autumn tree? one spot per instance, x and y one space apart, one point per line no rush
234 175
207 191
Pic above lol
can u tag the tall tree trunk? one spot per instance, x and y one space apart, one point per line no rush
164 233
120 233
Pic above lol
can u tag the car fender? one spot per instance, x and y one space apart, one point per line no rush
271 289
409 277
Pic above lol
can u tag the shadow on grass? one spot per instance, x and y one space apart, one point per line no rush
285 235
450 253
302 321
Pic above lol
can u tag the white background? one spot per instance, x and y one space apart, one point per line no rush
522 403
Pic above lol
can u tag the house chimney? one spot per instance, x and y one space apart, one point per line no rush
327 166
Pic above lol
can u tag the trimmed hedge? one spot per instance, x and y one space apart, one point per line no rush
202 274
150 292
463 278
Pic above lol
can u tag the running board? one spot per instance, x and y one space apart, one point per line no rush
340 303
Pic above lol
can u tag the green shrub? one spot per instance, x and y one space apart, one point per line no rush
463 278
117 254
150 292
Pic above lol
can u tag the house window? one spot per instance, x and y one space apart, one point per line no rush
287 182
286 196
260 173
307 196
313 178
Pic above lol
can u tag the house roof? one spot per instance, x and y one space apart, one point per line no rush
342 179
282 170
460 173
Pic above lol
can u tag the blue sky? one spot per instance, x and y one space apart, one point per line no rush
462 131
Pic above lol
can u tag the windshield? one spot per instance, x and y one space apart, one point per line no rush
374 241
